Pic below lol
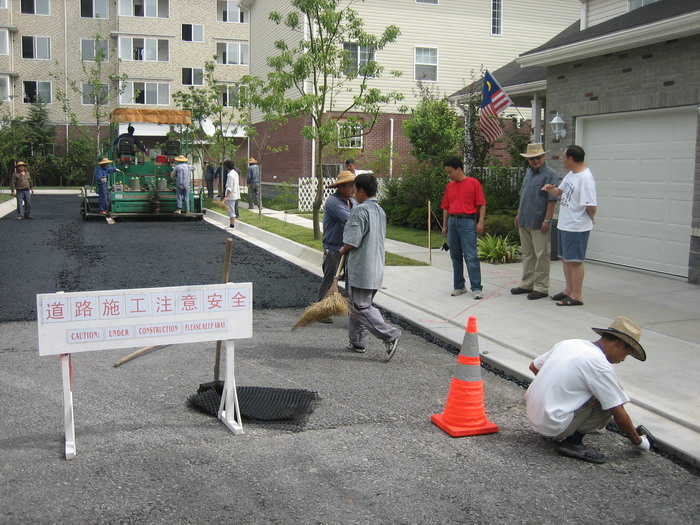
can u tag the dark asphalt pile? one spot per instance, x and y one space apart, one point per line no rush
58 251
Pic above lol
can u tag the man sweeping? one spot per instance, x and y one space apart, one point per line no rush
363 239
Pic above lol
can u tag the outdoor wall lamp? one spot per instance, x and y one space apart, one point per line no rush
558 127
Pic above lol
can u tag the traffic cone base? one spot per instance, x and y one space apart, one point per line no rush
465 414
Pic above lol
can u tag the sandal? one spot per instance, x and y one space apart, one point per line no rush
559 297
569 302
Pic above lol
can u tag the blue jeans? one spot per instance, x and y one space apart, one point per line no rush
24 203
183 194
103 192
461 234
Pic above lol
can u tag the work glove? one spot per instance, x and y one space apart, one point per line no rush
647 439
445 247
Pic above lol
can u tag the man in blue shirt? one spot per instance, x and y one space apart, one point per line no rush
253 179
102 182
181 172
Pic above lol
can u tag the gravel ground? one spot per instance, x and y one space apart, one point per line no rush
369 453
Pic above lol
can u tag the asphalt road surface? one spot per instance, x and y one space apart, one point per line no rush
368 454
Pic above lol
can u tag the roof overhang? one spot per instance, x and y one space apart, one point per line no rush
668 29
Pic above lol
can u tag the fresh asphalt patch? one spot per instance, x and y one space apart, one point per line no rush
368 454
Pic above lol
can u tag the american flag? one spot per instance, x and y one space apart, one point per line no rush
494 101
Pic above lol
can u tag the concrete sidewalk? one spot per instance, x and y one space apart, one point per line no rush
664 389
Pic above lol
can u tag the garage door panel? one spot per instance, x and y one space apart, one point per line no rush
644 165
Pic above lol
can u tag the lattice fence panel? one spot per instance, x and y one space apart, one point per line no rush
307 191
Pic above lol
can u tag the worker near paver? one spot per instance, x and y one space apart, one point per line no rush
463 211
232 193
21 187
102 182
363 239
182 172
336 211
575 391
533 222
211 175
130 135
253 179
576 217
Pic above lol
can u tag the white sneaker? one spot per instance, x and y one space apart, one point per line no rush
478 294
455 293
178 211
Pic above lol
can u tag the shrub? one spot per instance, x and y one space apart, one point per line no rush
496 249
501 225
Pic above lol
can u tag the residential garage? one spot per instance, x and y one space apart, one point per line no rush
644 166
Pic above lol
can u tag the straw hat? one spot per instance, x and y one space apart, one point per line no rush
105 160
628 332
20 163
343 178
533 150
181 158
251 160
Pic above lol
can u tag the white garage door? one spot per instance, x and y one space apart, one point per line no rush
643 164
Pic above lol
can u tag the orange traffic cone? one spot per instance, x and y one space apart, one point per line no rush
465 414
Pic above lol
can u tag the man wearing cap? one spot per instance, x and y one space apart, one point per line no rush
575 391
532 220
336 211
181 172
101 178
21 187
253 179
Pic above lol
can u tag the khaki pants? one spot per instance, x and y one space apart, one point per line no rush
535 251
588 418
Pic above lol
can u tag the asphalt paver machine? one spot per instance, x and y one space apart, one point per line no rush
144 186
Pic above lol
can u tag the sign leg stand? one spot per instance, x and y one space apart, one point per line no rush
68 421
229 411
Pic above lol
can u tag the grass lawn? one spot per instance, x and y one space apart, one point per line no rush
296 233
5 197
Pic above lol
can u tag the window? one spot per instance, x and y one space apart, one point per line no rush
89 50
229 11
426 64
360 56
38 47
148 49
4 88
349 135
151 93
3 4
37 91
435 2
89 98
147 8
4 42
496 16
94 9
636 4
192 33
232 53
192 76
229 96
34 7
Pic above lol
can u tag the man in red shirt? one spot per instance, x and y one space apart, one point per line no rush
463 211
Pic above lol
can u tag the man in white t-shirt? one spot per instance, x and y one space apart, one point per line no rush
576 217
575 391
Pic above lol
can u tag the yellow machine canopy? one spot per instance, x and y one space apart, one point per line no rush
154 116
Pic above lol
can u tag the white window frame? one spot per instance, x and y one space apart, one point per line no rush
47 5
87 87
4 42
636 4
195 73
151 48
91 58
147 89
225 10
496 17
192 31
416 63
37 82
5 88
242 54
105 6
227 93
3 4
151 8
347 141
35 47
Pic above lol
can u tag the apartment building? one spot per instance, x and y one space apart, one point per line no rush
160 46
443 43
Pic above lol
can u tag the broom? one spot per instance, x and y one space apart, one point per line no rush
332 305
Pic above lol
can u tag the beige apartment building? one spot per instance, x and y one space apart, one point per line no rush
160 46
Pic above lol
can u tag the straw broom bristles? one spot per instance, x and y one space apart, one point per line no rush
332 305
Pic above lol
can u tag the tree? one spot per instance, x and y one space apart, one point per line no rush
318 69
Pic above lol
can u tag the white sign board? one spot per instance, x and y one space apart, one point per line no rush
86 321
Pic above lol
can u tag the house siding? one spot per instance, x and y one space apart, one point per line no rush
602 10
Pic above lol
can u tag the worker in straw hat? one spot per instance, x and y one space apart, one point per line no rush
253 180
181 172
575 391
21 187
336 211
102 181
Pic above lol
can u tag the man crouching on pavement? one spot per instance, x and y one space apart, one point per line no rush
575 391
